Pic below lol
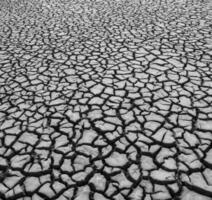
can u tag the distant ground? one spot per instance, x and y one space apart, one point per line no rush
105 100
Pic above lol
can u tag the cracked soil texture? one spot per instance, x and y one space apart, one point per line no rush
105 100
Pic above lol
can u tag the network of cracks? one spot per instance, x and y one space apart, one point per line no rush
105 100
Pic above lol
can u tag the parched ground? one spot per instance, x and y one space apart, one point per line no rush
105 100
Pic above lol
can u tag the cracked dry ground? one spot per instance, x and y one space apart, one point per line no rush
105 100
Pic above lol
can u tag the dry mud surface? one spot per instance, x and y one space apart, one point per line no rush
105 100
